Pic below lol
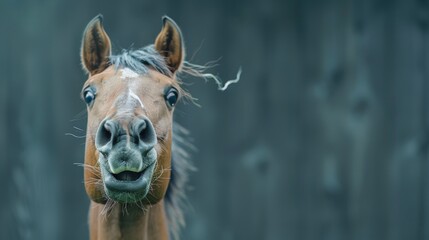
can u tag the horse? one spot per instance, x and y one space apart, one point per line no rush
135 169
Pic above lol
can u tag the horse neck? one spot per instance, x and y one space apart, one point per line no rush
128 223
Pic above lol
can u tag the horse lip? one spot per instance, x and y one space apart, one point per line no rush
128 159
137 185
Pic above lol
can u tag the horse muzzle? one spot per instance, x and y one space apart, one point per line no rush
127 158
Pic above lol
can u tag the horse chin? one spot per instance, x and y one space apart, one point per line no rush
128 186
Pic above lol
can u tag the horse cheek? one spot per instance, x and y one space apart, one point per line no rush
161 176
92 176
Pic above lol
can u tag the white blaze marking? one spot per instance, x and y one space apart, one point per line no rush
128 73
133 95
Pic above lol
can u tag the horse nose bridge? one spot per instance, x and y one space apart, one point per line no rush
129 103
128 122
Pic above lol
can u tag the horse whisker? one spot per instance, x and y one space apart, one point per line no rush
80 129
75 136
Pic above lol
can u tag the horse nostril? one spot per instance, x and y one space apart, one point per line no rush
146 134
104 134
142 131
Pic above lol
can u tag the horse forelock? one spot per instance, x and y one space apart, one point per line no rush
140 60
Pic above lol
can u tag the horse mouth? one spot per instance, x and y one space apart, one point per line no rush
127 186
127 176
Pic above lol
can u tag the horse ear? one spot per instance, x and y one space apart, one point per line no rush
96 47
169 44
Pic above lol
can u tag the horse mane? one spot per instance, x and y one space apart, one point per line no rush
140 61
180 168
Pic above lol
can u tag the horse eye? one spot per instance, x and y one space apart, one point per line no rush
171 97
88 96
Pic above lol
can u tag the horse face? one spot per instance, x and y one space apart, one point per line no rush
129 131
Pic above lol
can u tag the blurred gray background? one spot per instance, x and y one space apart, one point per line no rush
326 136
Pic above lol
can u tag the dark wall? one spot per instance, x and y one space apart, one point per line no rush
325 136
